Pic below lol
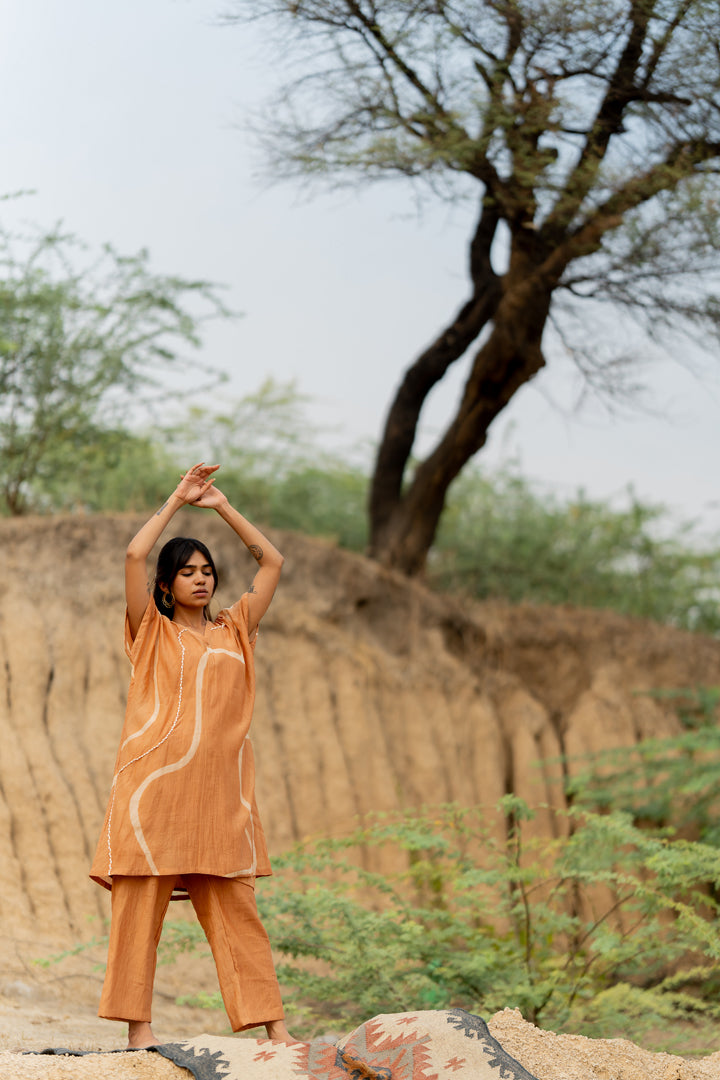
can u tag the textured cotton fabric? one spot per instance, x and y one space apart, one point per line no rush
183 795
227 913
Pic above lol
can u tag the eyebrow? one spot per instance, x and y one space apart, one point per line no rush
195 566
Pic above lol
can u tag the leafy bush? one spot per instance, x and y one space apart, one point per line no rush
121 471
274 465
500 537
84 343
552 926
670 781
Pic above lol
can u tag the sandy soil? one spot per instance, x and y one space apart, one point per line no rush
34 1017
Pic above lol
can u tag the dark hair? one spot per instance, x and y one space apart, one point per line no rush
173 556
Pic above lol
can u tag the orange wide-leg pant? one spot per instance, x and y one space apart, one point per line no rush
240 946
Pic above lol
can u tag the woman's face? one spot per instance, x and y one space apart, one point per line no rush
194 584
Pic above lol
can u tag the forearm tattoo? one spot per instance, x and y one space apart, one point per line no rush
256 551
251 589
159 512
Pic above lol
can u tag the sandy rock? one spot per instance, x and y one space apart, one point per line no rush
573 1057
141 1065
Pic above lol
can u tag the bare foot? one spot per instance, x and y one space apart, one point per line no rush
140 1035
277 1031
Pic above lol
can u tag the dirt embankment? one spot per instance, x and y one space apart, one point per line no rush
373 694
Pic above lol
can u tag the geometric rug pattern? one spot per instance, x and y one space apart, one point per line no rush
434 1045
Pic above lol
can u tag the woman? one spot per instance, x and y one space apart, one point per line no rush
182 821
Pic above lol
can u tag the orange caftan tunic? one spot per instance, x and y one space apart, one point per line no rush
183 795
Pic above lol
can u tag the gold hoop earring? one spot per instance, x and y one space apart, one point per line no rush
168 600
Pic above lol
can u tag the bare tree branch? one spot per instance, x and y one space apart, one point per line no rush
590 134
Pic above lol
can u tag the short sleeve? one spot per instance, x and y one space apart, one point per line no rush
147 630
239 617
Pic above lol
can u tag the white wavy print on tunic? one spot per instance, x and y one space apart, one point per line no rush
251 870
127 764
154 714
134 806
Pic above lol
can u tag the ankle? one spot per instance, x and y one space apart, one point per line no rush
277 1031
140 1034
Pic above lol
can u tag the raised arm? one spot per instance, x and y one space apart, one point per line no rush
195 483
266 555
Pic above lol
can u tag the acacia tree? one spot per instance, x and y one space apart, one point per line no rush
588 134
81 348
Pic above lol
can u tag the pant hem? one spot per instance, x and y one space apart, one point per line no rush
127 1019
259 1023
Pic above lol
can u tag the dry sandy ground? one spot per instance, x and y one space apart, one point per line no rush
31 1024
34 1018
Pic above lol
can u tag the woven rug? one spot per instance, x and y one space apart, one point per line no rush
397 1046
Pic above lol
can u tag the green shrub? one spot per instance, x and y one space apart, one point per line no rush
502 537
670 781
551 926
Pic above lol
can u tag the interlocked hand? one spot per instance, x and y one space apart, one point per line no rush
196 483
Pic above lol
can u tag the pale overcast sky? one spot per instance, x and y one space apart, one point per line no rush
126 119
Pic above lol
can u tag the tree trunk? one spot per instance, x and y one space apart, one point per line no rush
510 357
429 369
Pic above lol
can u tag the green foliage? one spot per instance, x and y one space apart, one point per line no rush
76 950
325 501
485 917
275 466
136 473
671 781
80 350
501 538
